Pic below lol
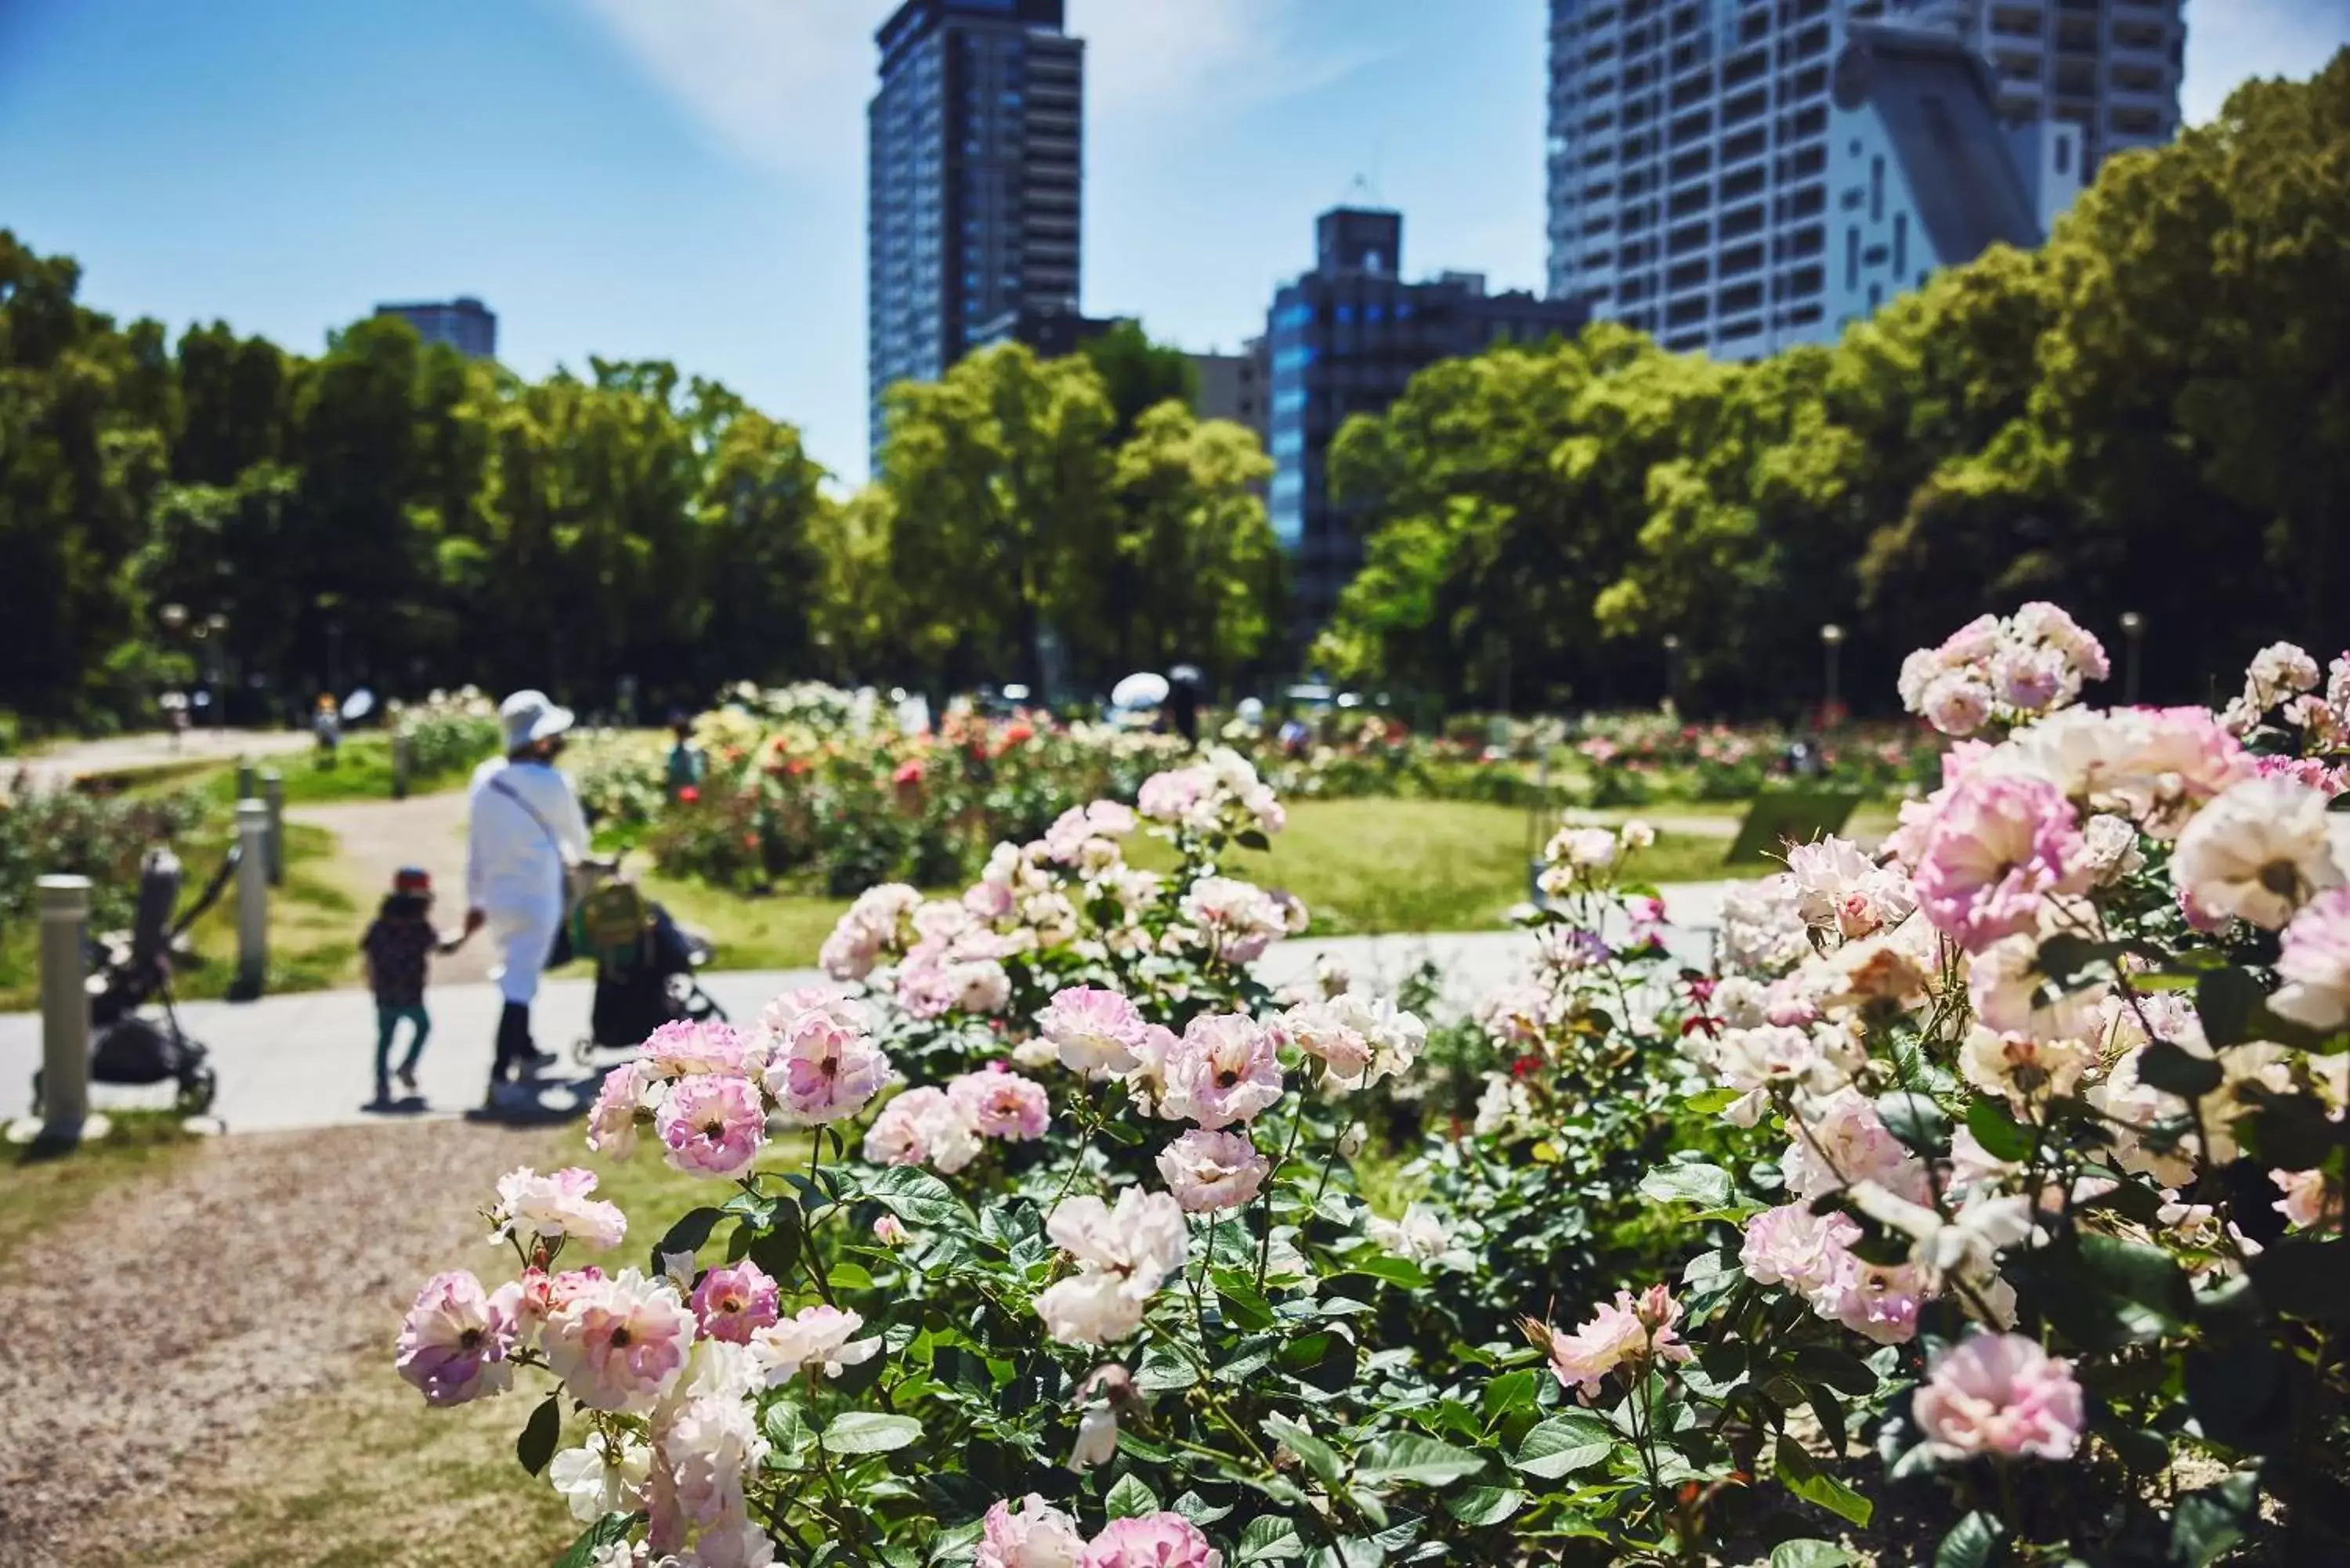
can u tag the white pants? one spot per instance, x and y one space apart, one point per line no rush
524 937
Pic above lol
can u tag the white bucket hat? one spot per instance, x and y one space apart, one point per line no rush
528 716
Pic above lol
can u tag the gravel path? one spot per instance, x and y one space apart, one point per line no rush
374 839
148 1336
124 753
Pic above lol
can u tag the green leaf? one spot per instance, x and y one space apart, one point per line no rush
1844 1372
2212 1519
2167 1067
1707 1186
692 1230
916 1197
1969 1544
1246 1310
1509 1392
1994 1127
1570 1441
2151 1294
1312 1451
1706 1102
605 1532
1394 1270
1251 838
1484 1505
535 1445
1922 1126
870 1432
1131 1498
1406 1460
1801 1475
1809 1553
1269 1538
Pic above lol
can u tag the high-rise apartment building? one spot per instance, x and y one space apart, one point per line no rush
465 324
1737 175
972 204
1344 339
1235 387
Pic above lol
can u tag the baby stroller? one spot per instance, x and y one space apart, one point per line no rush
133 969
645 963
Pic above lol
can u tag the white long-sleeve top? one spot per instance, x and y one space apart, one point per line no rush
512 863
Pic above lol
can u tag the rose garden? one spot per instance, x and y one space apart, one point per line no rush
1469 1111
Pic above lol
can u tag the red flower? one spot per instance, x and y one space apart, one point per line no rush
689 793
1524 1066
910 773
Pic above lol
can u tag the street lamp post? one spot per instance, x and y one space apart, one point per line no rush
2134 629
216 624
1831 645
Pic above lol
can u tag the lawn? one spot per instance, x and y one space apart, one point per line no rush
43 1187
362 769
313 927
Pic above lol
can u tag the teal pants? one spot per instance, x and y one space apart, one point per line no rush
387 1024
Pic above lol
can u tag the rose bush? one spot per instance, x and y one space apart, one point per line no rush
1984 1204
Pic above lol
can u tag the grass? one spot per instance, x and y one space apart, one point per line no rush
780 930
362 769
43 1187
314 924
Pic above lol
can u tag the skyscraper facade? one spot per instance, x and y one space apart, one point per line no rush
1737 175
1344 339
972 200
465 324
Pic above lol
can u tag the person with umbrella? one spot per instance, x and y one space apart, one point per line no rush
1183 703
525 833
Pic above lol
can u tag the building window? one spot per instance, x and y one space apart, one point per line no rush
1875 295
1852 257
1900 244
1876 190
2063 155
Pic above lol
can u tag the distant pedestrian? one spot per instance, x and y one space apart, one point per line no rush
525 834
686 759
326 724
1183 684
398 946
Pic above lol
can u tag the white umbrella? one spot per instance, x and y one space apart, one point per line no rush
1141 689
357 705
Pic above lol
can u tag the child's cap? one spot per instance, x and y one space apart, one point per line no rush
412 879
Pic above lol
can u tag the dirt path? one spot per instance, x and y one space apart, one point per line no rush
374 839
153 1336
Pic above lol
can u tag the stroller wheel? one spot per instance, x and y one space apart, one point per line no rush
583 1050
197 1090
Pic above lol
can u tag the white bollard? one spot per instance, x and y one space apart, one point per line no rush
65 1007
252 897
273 793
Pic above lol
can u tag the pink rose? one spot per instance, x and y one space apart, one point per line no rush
2000 1393
1223 1070
711 1127
733 1302
1630 1333
620 1344
1208 1171
1002 1104
822 1069
1151 1540
687 1045
452 1344
1035 1536
1998 846
1094 1029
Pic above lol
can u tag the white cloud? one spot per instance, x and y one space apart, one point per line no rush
2231 41
781 84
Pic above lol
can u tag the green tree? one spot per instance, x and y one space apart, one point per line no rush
1198 569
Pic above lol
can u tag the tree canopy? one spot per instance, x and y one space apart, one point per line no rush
2151 413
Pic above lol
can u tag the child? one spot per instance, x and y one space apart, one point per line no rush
398 945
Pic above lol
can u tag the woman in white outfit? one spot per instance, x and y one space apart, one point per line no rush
525 834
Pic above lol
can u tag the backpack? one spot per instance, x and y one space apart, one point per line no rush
609 923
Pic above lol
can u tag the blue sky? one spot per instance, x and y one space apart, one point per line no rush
685 179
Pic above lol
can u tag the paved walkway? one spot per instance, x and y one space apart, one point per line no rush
307 1059
120 754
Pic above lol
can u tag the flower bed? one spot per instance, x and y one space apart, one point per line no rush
1984 1207
820 785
